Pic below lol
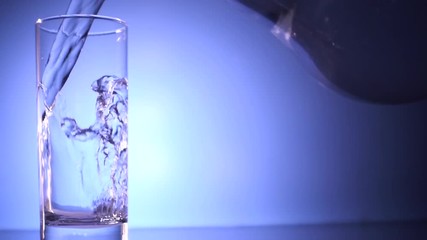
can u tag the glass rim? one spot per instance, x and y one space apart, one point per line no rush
116 20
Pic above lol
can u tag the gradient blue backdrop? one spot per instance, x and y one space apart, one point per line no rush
226 127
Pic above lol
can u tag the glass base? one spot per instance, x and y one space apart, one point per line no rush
85 232
68 218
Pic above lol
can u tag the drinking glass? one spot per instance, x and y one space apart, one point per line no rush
82 103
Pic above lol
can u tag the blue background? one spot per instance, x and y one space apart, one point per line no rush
226 127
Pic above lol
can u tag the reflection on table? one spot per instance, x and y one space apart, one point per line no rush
366 231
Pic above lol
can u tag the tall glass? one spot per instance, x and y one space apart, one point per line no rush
82 130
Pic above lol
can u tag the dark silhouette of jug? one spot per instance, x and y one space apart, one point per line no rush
373 50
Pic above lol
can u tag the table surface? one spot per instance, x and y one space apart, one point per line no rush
367 231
